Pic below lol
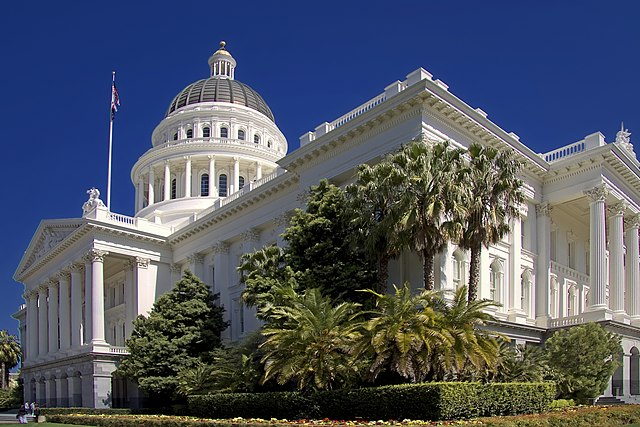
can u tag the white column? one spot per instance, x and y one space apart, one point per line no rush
76 305
97 295
176 271
130 298
187 177
151 193
42 321
140 195
221 267
64 313
196 264
236 174
53 317
543 263
213 189
516 311
88 312
598 249
632 270
31 298
167 180
258 170
616 261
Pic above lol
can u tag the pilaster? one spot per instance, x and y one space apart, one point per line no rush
76 305
53 316
543 263
65 310
616 262
43 318
632 270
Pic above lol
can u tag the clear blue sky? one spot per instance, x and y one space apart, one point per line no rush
552 73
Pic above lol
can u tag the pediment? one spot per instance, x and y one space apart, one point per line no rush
47 237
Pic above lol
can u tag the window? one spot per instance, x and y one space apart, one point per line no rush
174 188
256 138
224 132
572 294
525 288
204 185
554 303
222 185
571 254
552 246
175 136
458 269
495 280
240 182
206 132
189 133
269 143
241 134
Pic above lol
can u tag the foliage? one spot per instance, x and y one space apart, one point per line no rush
10 398
562 403
320 246
430 199
426 401
582 359
521 363
10 354
310 342
182 328
493 194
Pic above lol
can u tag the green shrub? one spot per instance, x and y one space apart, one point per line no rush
256 405
562 403
516 398
86 411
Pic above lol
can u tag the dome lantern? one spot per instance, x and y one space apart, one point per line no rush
222 63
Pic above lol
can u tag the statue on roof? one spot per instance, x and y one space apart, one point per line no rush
93 202
623 136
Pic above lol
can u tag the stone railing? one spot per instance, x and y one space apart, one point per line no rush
222 141
118 350
566 151
121 218
101 213
566 321
569 273
357 111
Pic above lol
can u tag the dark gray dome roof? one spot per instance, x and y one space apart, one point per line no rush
216 89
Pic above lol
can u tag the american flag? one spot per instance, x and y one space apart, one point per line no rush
115 100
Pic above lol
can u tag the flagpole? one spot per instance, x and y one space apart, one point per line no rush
113 82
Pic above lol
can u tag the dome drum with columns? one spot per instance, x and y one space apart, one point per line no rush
218 135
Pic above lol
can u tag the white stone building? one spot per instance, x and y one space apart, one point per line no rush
218 182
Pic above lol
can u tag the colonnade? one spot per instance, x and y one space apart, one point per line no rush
184 166
68 311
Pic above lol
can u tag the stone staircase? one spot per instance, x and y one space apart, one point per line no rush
609 400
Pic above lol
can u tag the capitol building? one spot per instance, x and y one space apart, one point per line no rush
218 182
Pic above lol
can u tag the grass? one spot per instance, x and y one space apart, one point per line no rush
44 425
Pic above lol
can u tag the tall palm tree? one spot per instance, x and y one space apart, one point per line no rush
493 196
376 197
402 334
9 355
430 199
470 347
311 342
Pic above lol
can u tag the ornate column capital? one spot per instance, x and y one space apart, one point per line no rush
597 194
175 268
211 156
76 267
96 255
632 221
196 258
619 208
52 284
251 235
42 288
544 209
32 294
141 262
220 248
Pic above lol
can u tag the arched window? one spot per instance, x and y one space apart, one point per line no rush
222 185
206 132
189 133
256 138
175 136
525 289
269 143
554 303
174 188
224 132
572 300
241 134
495 280
204 185
240 182
458 269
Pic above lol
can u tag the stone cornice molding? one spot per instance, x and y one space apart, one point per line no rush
597 194
220 248
544 209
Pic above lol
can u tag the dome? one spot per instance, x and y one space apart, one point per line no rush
220 89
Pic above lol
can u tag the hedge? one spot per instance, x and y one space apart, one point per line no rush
427 401
600 416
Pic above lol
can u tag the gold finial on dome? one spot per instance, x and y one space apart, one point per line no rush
222 44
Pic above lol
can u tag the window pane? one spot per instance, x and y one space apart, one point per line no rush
241 134
222 185
224 133
206 132
204 185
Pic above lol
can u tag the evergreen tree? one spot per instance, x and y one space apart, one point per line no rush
181 330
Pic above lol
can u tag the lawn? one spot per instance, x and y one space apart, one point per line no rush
45 425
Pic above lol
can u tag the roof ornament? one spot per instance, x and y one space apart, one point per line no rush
222 63
93 202
623 137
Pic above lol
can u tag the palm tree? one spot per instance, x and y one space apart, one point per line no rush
376 197
430 199
402 334
311 342
470 349
9 355
493 196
